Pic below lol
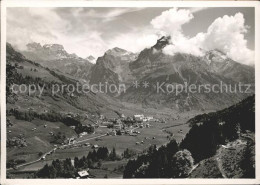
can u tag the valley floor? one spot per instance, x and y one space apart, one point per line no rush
157 134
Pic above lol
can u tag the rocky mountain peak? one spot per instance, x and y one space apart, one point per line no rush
34 46
91 58
215 53
117 52
53 47
47 52
215 56
162 42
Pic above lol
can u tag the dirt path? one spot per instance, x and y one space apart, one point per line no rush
219 162
80 141
173 126
193 168
35 161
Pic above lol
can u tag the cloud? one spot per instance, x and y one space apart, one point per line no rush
80 30
92 31
85 45
226 33
32 26
134 41
184 45
171 21
109 15
46 26
198 9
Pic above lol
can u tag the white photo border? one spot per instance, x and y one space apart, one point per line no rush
70 3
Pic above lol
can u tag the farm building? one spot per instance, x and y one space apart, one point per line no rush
118 121
87 144
106 123
139 117
118 127
101 116
83 174
200 123
149 118
83 133
112 133
95 146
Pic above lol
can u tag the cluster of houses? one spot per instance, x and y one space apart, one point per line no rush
141 117
121 125
118 126
74 144
72 115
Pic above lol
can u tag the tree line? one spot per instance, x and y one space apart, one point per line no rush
207 132
163 162
67 169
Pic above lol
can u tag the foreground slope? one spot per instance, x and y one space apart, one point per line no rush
217 146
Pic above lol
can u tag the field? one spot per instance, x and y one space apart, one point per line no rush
158 134
38 140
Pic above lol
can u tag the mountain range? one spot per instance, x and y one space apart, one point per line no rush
152 66
55 57
35 121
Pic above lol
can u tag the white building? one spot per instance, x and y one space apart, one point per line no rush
83 174
139 117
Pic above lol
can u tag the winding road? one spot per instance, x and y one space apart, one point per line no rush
44 155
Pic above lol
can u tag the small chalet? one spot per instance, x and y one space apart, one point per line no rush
83 174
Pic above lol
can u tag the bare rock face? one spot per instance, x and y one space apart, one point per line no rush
91 59
56 57
155 67
113 67
152 65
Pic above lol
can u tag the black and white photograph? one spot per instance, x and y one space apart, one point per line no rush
131 92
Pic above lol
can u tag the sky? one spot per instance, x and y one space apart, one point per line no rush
92 31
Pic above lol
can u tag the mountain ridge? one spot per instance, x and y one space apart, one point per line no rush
153 65
56 57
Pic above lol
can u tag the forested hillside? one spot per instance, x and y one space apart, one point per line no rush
207 134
